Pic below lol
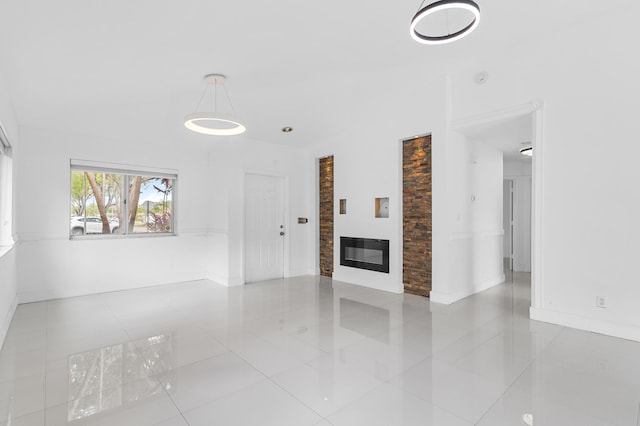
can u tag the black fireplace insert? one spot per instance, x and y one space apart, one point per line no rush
365 253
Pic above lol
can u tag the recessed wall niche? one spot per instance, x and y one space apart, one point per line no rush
343 206
382 207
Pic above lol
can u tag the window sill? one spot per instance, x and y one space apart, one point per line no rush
119 237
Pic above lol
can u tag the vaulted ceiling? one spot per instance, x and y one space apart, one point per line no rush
133 69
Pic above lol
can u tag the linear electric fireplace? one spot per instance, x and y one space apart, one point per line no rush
365 253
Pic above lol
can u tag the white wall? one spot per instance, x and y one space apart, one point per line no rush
368 161
588 80
50 265
467 235
474 212
229 163
7 254
209 212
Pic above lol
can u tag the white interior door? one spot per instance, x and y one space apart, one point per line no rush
264 227
507 204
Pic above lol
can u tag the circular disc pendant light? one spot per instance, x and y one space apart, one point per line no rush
214 123
438 6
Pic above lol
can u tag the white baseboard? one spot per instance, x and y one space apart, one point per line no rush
219 279
235 281
448 299
32 296
622 331
300 272
6 322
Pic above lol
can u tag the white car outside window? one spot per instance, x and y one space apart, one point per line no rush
91 225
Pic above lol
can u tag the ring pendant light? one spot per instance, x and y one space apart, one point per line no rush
438 6
214 123
527 151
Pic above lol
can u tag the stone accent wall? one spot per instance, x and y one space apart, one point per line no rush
326 216
416 223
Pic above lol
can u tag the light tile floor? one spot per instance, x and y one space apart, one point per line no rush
308 351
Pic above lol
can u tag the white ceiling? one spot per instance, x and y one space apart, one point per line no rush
133 69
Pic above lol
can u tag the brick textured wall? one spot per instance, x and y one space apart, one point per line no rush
326 216
416 226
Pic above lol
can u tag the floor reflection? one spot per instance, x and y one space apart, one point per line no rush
362 318
113 376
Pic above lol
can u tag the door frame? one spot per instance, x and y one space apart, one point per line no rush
287 223
535 108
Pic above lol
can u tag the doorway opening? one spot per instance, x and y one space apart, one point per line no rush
509 130
517 214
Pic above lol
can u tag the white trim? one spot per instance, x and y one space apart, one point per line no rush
219 279
202 232
399 284
122 168
5 145
448 299
497 115
622 331
43 295
6 249
237 280
298 272
4 327
537 225
316 212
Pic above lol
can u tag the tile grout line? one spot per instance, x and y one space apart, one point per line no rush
153 377
278 385
174 404
533 360
297 399
415 395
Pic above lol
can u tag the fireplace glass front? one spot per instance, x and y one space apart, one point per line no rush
365 253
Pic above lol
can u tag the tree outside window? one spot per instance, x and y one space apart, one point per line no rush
106 202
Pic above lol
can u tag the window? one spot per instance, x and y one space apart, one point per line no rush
6 190
108 201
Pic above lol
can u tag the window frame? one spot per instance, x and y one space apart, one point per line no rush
7 240
126 171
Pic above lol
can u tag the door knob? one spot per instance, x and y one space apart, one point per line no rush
281 233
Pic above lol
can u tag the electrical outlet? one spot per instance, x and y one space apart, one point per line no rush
601 302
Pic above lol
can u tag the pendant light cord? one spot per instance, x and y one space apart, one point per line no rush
215 97
201 98
229 99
